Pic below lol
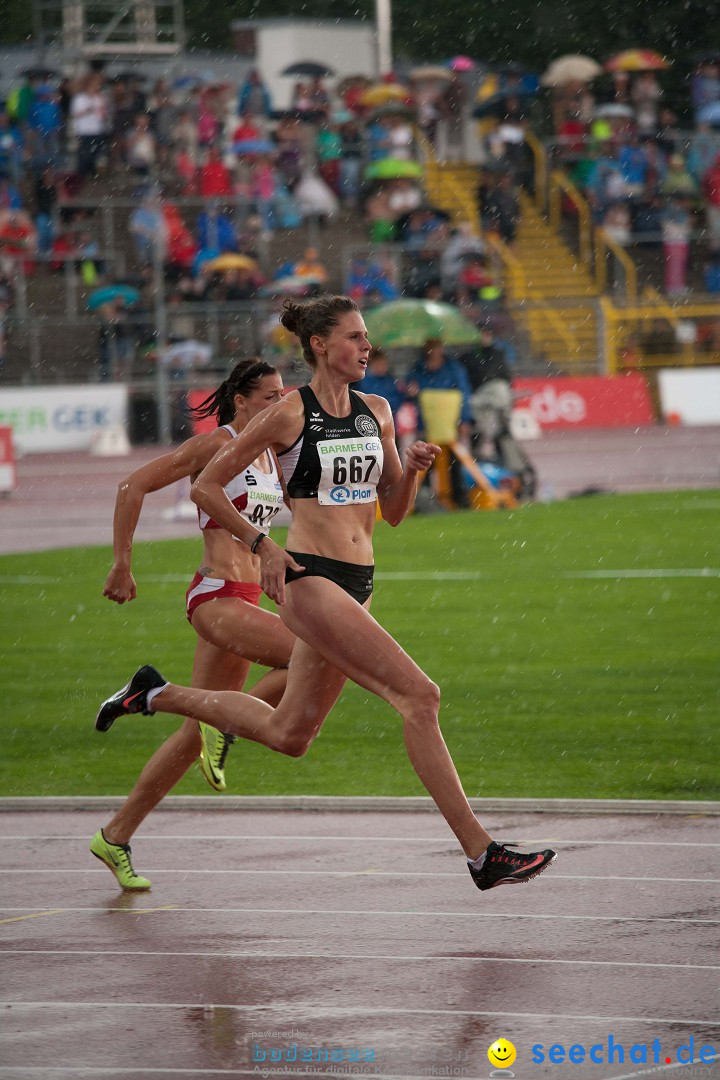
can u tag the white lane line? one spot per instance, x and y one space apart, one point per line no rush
432 575
260 955
319 1012
289 837
403 914
680 572
369 872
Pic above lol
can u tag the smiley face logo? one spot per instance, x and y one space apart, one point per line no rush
501 1054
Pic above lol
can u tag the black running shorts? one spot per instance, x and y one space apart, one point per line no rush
356 581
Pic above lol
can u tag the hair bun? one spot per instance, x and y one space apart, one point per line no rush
292 316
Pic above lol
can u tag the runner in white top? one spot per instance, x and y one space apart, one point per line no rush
232 630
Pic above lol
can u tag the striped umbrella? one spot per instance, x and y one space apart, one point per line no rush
637 60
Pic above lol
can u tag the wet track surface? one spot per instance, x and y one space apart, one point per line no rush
64 500
356 931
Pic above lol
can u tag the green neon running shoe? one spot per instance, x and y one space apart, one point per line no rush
215 746
117 858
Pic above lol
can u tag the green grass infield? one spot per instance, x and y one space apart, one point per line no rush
575 643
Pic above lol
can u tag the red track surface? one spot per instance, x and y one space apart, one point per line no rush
356 930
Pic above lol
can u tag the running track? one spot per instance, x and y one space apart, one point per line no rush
356 930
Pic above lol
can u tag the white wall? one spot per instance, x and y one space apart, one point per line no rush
348 50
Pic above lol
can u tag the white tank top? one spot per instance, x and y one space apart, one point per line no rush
255 494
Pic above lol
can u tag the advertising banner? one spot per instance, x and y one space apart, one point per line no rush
586 401
47 419
690 397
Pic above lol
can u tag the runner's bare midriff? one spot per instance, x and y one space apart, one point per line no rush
228 559
336 532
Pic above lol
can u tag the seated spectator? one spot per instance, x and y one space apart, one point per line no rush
617 223
678 180
141 146
371 279
246 129
318 97
676 232
633 161
214 179
401 138
11 150
216 230
311 267
711 191
181 248
237 286
254 101
149 230
351 143
44 124
328 146
461 244
645 95
18 242
503 209
378 380
46 194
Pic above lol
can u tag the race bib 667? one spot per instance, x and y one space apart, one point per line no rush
349 470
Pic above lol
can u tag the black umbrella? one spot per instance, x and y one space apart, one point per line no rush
39 73
497 105
309 68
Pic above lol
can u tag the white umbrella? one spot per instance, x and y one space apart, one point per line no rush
568 69
614 109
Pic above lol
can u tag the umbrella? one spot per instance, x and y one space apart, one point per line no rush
497 105
393 108
614 110
290 285
112 292
567 69
39 73
393 169
382 93
429 73
709 114
206 77
254 146
230 262
461 63
413 322
308 68
637 60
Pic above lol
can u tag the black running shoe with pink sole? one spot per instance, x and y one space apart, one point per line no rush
131 699
505 867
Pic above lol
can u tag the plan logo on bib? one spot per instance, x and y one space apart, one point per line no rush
365 425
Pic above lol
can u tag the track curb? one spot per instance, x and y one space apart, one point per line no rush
366 804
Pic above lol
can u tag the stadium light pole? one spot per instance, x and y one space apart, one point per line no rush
383 22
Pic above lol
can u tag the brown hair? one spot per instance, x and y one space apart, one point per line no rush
318 316
243 379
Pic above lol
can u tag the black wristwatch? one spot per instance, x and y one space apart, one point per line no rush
257 542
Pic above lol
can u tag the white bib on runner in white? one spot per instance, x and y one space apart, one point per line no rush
349 470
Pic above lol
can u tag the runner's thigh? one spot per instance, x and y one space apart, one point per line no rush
244 629
346 634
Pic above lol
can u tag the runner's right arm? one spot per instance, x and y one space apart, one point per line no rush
188 460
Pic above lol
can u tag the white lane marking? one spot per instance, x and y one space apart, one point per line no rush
406 913
369 872
286 837
322 1011
417 575
696 572
259 955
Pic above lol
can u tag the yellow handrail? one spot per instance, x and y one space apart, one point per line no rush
559 182
539 153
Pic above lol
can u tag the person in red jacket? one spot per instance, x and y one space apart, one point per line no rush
215 178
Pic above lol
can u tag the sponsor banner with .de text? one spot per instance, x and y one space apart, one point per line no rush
586 401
